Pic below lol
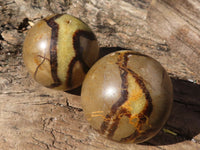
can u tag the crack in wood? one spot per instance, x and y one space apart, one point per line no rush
54 138
41 142
73 108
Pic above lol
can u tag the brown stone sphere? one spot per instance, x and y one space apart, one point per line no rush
127 96
59 50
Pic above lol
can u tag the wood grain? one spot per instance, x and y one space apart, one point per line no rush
177 22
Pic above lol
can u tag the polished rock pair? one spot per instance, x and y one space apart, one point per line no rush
126 96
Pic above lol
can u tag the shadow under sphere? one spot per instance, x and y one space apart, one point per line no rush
184 121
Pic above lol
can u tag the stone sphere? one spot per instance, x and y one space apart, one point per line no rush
59 50
127 96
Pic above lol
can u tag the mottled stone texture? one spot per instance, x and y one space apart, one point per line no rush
34 117
59 50
127 96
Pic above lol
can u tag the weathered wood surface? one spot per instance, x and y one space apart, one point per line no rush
178 22
34 117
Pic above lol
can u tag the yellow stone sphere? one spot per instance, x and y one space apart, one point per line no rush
127 96
59 50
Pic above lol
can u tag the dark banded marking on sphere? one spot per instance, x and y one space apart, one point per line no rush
127 96
79 50
59 50
53 50
117 111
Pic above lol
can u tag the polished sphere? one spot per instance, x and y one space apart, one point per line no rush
127 96
59 50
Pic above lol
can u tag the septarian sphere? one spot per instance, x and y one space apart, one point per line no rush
59 50
127 96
